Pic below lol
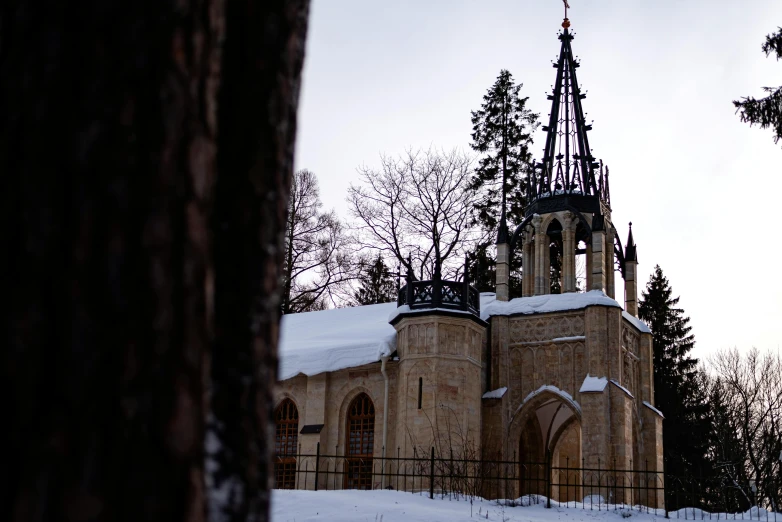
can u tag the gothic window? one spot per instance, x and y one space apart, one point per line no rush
286 420
360 443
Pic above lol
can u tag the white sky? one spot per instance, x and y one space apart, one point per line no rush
702 189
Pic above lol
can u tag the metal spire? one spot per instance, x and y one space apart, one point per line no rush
568 165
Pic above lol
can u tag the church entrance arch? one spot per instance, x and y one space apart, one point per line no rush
550 445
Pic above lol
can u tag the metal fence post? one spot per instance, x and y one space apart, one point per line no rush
431 475
548 479
317 465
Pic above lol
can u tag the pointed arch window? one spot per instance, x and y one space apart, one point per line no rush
360 443
286 437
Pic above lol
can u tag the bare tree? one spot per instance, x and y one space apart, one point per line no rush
317 264
416 209
748 392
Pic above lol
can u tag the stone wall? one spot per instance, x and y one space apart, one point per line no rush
443 356
447 361
324 399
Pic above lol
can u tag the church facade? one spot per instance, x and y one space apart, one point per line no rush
562 374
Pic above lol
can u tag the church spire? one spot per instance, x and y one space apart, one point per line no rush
568 165
630 251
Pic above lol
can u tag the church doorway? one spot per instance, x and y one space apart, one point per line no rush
550 448
360 443
286 436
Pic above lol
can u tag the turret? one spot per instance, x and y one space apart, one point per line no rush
502 272
630 273
569 214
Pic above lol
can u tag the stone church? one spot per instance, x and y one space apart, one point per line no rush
561 373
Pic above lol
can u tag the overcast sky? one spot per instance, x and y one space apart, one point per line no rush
702 189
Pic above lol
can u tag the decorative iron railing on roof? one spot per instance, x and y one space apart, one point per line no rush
439 293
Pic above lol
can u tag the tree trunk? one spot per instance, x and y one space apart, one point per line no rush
262 64
139 241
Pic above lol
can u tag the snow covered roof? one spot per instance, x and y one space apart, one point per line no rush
552 303
658 412
544 303
593 384
636 322
565 396
616 383
495 394
329 340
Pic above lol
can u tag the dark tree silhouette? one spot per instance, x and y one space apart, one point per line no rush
678 391
376 284
502 135
766 112
145 155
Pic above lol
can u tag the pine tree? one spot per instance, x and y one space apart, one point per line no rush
502 134
376 284
678 389
766 112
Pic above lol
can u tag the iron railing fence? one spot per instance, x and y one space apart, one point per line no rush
438 293
603 486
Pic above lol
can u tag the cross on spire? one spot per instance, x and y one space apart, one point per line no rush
566 22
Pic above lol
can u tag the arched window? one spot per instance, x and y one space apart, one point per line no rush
360 443
286 420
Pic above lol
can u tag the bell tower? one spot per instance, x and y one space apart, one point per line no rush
567 239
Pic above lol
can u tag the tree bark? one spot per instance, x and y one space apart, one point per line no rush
262 64
138 242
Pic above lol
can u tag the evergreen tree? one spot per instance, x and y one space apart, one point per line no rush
766 112
376 284
678 389
502 133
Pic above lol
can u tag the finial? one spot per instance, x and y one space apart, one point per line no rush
566 22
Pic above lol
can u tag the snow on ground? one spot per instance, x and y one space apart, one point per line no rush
392 506
328 340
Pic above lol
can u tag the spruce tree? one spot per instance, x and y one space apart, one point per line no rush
766 112
678 389
502 134
376 284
